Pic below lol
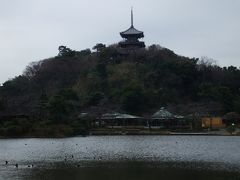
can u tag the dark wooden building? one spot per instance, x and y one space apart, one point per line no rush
163 119
119 120
131 37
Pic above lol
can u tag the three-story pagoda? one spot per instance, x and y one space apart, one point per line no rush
131 37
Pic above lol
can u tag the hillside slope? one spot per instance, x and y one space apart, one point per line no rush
106 79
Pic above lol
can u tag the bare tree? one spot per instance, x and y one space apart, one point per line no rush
32 69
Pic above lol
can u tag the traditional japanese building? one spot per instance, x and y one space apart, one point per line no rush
131 37
163 119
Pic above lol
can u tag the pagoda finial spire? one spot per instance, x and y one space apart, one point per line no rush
131 16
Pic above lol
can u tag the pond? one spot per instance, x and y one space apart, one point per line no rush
121 157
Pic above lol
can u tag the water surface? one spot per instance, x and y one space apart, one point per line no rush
121 157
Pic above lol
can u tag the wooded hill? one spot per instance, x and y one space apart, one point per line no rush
138 82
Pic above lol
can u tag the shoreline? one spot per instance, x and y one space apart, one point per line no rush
121 134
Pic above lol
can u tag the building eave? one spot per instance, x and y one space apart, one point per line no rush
132 32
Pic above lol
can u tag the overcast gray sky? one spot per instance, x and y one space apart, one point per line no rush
31 30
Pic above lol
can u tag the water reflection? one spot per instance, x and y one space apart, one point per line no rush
130 171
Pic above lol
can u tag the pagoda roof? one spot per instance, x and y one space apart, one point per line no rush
132 32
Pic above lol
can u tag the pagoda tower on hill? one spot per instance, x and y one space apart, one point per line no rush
131 37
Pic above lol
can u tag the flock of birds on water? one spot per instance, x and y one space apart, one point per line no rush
65 160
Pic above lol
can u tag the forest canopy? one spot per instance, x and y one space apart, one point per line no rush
138 82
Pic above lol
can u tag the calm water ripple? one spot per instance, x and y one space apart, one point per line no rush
94 152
